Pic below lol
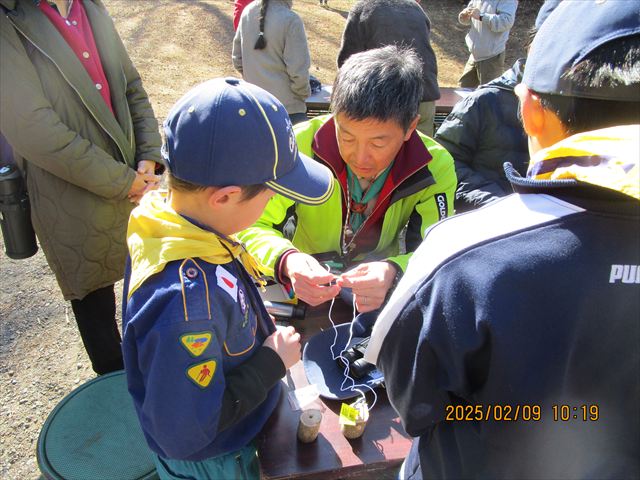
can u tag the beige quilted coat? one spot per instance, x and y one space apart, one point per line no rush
79 160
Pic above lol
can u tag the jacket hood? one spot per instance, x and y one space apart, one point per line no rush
510 78
608 158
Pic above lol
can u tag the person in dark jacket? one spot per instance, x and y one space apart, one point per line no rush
376 23
482 132
73 109
510 346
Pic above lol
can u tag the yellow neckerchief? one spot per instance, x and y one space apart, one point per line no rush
608 158
158 235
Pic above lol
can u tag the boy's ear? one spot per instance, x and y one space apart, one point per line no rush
540 124
531 111
221 196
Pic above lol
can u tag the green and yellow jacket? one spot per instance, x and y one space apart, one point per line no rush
418 192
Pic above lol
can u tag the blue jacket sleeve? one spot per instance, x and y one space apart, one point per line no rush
182 394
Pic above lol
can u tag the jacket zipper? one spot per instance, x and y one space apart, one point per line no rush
124 157
131 141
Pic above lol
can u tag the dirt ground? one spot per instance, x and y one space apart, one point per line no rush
175 44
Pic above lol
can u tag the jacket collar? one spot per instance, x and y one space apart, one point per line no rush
409 165
606 158
36 28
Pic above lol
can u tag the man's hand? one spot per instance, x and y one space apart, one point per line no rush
145 180
370 283
475 13
285 341
309 280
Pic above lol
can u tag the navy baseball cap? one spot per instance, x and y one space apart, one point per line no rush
230 132
323 371
572 30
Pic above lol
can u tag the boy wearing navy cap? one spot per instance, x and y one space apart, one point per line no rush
203 359
510 346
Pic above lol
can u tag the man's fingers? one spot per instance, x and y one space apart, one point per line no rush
314 294
366 303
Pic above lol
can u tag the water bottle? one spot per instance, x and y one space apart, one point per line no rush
15 215
286 310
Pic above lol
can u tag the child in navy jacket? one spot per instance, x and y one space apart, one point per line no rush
203 358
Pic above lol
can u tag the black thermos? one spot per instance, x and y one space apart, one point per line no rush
286 310
15 215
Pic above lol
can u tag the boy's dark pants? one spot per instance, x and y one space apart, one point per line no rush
96 318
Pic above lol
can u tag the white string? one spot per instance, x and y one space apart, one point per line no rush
347 377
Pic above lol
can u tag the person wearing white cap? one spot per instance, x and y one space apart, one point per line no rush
510 346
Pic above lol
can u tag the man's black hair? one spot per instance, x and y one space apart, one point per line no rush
614 63
382 84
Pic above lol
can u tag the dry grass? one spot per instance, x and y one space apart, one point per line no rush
177 44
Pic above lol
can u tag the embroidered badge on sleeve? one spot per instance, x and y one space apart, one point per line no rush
196 342
202 373
227 282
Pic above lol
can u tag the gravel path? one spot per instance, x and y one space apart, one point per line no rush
41 359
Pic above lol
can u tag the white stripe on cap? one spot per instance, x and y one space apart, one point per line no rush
298 196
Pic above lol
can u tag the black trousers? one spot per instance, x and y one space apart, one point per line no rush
96 318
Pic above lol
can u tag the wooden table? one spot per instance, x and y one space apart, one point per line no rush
383 446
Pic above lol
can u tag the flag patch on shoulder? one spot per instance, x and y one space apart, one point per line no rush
202 373
196 342
227 282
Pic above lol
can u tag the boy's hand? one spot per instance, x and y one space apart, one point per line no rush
285 341
309 280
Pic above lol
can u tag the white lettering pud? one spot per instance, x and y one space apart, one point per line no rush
625 274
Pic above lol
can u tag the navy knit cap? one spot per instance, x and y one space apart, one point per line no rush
572 31
230 132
